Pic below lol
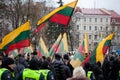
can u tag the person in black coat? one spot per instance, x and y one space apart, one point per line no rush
61 70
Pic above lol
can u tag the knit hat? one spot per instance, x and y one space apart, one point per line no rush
66 57
34 64
8 61
57 55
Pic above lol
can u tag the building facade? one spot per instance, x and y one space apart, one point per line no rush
95 22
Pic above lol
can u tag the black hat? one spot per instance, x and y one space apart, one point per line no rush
57 55
8 61
34 53
34 63
66 57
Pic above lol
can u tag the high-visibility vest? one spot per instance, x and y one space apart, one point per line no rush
1 71
44 73
89 73
31 74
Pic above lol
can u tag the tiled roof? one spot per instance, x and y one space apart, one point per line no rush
89 11
93 11
114 14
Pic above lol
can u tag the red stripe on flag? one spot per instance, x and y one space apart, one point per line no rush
39 27
105 48
61 19
23 43
39 53
81 50
87 59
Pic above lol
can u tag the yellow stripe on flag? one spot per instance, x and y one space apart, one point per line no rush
72 4
99 50
43 46
86 43
11 36
75 63
65 43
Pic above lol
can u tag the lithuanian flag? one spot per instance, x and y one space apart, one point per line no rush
60 15
63 47
42 49
84 47
28 49
55 46
18 38
77 59
13 53
81 48
86 43
99 51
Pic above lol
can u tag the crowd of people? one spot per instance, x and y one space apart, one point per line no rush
57 68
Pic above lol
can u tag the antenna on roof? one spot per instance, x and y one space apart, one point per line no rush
94 4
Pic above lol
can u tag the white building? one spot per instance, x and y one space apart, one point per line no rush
95 22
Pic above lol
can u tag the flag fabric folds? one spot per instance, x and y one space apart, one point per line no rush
55 46
13 53
80 54
60 15
18 38
77 59
81 48
63 47
87 59
42 49
86 43
28 49
99 51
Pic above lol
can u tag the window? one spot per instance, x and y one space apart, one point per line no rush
90 19
106 27
101 28
84 19
90 28
106 19
77 27
95 28
95 37
90 37
113 20
84 27
95 19
77 19
100 19
77 36
113 28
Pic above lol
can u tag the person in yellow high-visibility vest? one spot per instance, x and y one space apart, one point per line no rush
7 69
46 72
32 72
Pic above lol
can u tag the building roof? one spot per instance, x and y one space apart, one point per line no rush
114 14
88 11
93 11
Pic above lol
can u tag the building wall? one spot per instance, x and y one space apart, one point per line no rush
94 25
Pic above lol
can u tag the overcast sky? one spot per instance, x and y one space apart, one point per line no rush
108 4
